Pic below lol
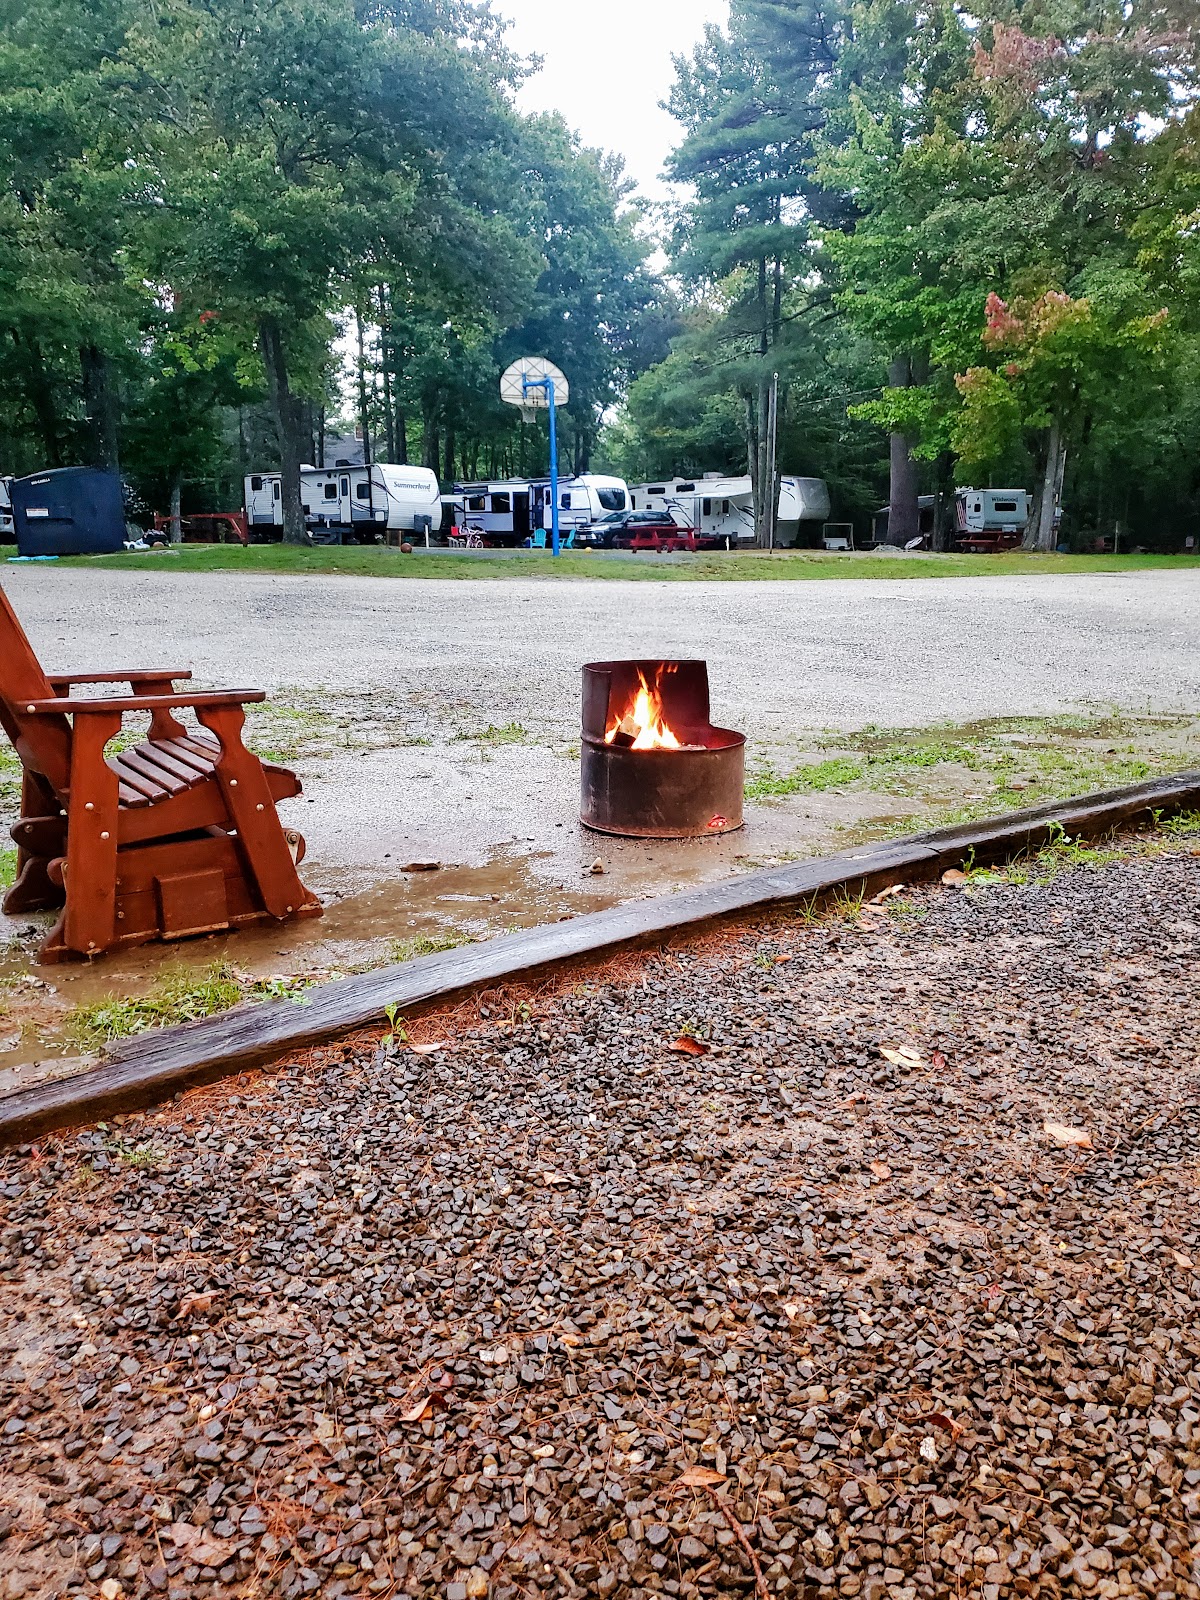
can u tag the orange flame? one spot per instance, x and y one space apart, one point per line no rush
644 721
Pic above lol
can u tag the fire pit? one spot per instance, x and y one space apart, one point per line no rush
654 767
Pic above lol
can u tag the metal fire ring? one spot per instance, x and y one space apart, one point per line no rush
694 792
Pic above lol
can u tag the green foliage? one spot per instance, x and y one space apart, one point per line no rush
179 996
434 944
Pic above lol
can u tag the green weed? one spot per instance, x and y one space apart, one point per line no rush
180 996
510 733
811 779
8 868
402 950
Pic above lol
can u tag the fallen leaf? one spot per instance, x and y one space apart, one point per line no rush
904 1056
700 1478
954 876
195 1305
556 1180
790 1309
779 961
885 895
938 1060
1067 1137
1181 1260
939 1419
881 1170
417 1412
324 1428
685 1045
427 1049
203 1548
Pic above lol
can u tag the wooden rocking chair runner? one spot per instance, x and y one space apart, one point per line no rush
173 837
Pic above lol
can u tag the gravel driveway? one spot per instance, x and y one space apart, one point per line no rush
554 1309
438 662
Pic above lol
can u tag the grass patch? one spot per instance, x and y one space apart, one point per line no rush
8 869
814 778
802 565
176 997
1013 762
428 945
510 733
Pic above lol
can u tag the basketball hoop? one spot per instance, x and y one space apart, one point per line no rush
534 384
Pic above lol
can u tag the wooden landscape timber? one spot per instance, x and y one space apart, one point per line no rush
155 1066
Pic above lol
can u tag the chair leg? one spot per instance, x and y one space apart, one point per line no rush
40 836
252 810
92 820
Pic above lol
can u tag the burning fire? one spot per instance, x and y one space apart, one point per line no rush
644 727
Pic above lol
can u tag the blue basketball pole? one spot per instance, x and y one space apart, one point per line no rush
548 385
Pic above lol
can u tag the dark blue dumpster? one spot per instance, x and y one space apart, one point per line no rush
70 511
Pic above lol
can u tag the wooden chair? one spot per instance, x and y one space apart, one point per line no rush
172 837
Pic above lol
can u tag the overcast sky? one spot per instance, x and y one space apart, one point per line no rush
608 64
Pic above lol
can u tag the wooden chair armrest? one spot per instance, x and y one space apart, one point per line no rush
144 702
139 675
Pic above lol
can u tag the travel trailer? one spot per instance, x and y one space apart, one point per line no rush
514 511
1001 511
724 507
349 504
7 526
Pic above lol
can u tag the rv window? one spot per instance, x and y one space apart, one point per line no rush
477 502
363 491
502 503
566 502
611 499
1004 505
278 488
331 491
255 484
724 508
658 489
708 508
686 488
345 485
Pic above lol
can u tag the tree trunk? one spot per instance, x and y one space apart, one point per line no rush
762 493
364 414
904 514
1051 487
944 516
401 437
288 412
100 408
41 399
177 507
451 452
753 461
429 447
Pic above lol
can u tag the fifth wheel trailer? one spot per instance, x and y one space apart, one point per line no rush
349 504
725 506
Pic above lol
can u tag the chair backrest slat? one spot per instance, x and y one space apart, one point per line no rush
43 743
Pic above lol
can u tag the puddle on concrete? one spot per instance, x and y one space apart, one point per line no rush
516 887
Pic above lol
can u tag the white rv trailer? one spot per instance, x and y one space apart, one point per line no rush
350 503
1004 511
514 510
725 506
7 526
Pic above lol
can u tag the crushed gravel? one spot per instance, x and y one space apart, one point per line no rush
556 1309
